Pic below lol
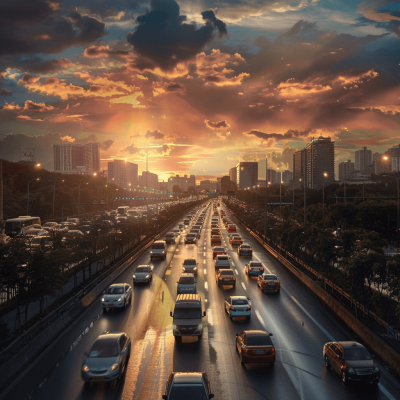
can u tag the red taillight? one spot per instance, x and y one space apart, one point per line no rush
273 350
232 308
234 278
248 308
220 278
261 269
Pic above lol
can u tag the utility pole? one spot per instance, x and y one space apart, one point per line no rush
266 200
305 185
1 197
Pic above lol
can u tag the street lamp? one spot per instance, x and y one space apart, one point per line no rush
398 208
325 175
27 203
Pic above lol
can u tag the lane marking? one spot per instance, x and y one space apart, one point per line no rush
210 317
206 300
260 319
233 264
385 392
236 271
244 286
204 254
204 261
206 285
314 320
205 271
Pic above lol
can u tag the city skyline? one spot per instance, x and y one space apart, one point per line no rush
248 88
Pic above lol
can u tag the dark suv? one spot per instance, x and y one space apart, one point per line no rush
352 361
188 385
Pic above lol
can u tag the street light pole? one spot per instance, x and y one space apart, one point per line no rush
323 194
266 200
344 183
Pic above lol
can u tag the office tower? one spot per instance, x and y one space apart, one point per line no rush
299 167
233 174
227 185
383 163
286 176
184 182
247 174
345 169
320 160
363 159
395 156
73 158
148 181
122 173
271 176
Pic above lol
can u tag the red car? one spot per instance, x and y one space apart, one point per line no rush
269 283
218 250
216 239
245 250
255 347
231 228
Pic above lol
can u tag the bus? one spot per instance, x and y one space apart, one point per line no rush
122 210
17 226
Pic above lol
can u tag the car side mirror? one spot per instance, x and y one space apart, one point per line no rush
86 353
210 396
204 313
171 314
270 334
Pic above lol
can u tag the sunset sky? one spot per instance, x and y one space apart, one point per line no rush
200 84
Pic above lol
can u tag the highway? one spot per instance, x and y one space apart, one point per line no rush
299 323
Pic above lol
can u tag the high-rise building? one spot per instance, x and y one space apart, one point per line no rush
299 167
383 164
345 169
122 173
395 156
271 176
286 177
246 174
320 160
363 159
208 186
74 158
148 180
233 174
227 185
184 182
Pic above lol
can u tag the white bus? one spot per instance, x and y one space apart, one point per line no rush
17 226
122 210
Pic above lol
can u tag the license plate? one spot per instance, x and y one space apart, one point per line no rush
259 351
98 379
271 283
245 252
111 304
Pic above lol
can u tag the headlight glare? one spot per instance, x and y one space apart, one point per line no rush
85 368
134 276
120 298
103 299
114 367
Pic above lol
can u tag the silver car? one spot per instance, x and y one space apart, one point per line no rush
107 359
190 265
186 284
118 295
143 273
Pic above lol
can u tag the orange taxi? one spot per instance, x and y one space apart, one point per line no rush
269 283
231 228
216 239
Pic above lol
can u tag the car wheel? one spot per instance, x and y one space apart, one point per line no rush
327 365
344 377
104 310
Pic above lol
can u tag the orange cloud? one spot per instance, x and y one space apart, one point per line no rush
291 88
28 106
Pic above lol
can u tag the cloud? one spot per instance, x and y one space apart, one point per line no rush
217 125
27 118
156 135
267 137
131 149
160 88
5 92
28 106
104 51
163 36
223 136
106 144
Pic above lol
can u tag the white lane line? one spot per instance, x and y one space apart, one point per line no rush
385 392
244 286
204 261
206 285
233 264
205 300
210 317
260 319
314 320
236 272
263 264
204 254
205 271
205 247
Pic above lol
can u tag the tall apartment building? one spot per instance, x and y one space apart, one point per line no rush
122 173
148 180
208 186
271 176
346 168
286 177
74 158
184 182
246 174
233 174
299 167
383 163
363 159
320 159
395 156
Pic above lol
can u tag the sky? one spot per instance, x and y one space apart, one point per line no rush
198 84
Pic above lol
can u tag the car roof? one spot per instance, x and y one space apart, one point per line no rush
256 333
188 377
239 297
120 284
106 335
351 345
188 275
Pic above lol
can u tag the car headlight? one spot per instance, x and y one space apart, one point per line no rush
195 268
134 276
151 252
147 276
103 299
113 367
376 369
120 299
163 252
183 267
351 370
85 368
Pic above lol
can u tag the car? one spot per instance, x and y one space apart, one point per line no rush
187 385
186 284
352 361
238 306
181 226
245 250
158 250
215 231
222 262
169 238
118 295
143 273
107 359
191 238
225 277
254 268
232 236
216 239
37 241
218 250
49 226
196 231
236 241
269 283
176 232
189 265
255 346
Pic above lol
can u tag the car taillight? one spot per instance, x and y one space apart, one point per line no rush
232 308
220 278
234 278
248 308
261 269
273 350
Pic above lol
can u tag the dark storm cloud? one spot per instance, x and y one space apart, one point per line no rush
106 144
290 134
104 51
175 87
5 92
300 27
217 125
156 135
39 26
163 36
38 65
131 149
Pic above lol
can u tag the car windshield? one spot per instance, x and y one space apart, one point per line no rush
270 278
357 354
190 391
227 272
255 264
115 290
219 249
191 235
104 348
170 234
142 269
239 302
158 246
187 313
262 340
186 280
189 262
223 258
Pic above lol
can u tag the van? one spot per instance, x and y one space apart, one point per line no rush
187 316
158 250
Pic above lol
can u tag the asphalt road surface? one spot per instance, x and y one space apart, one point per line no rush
299 323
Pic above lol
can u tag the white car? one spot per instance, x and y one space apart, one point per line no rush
143 273
189 266
118 295
238 306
